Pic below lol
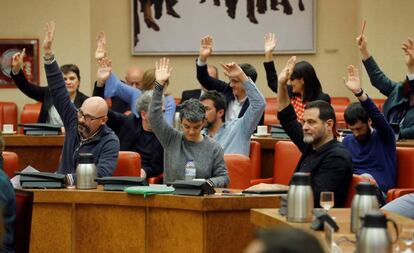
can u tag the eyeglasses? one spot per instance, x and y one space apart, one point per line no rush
87 117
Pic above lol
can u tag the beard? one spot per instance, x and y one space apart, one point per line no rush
313 139
84 130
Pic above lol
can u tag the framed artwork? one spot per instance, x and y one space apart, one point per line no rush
174 27
8 47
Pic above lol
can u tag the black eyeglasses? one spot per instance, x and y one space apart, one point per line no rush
87 117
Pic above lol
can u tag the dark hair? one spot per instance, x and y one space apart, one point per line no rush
70 68
192 110
289 240
312 86
354 113
249 70
218 99
326 111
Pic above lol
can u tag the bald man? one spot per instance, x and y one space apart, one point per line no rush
85 128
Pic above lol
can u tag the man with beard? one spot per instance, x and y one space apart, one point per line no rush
327 160
86 130
373 150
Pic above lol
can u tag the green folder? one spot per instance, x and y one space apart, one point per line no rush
149 190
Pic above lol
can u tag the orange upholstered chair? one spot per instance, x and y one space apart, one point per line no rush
356 179
239 169
405 173
30 114
10 163
255 158
379 102
8 114
339 103
23 224
270 117
129 164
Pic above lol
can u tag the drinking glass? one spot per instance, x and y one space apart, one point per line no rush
407 236
327 200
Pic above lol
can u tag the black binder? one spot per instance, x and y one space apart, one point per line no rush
120 183
192 188
42 180
40 129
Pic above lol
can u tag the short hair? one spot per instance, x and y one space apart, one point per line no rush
312 86
70 68
249 70
148 79
192 110
326 110
354 113
218 99
144 101
289 240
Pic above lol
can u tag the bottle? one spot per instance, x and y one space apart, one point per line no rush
86 172
190 170
365 200
300 198
374 236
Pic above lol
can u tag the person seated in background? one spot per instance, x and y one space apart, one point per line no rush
372 142
133 76
135 133
398 107
284 240
304 83
327 160
235 94
7 207
114 87
86 130
48 113
233 136
197 93
190 144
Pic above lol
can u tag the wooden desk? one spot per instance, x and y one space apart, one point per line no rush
41 152
97 221
270 218
268 150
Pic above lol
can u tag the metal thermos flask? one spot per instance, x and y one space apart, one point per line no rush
86 172
300 198
365 200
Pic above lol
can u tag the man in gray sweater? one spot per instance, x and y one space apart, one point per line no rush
190 144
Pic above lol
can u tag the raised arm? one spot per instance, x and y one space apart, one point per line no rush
29 89
203 77
408 48
282 95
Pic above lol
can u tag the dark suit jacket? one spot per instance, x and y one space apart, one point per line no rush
211 83
118 105
187 94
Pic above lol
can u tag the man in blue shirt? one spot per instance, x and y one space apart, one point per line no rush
372 144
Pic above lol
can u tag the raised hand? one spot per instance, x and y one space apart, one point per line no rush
17 61
206 48
269 42
49 29
100 51
287 71
353 82
408 48
233 71
104 71
162 71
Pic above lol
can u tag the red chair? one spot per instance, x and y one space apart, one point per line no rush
379 102
23 223
10 163
356 179
156 180
129 164
8 114
270 117
405 173
30 114
340 103
239 170
255 158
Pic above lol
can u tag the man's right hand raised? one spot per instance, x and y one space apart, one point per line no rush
49 29
104 71
100 51
206 48
17 61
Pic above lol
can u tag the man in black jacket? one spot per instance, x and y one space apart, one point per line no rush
327 160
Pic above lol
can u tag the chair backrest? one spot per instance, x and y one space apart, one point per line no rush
356 179
129 164
10 163
270 117
30 114
379 102
23 224
8 114
339 103
239 170
287 156
405 167
255 158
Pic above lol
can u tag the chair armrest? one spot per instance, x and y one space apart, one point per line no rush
398 192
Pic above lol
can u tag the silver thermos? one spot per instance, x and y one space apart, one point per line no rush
365 200
374 236
300 198
86 172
